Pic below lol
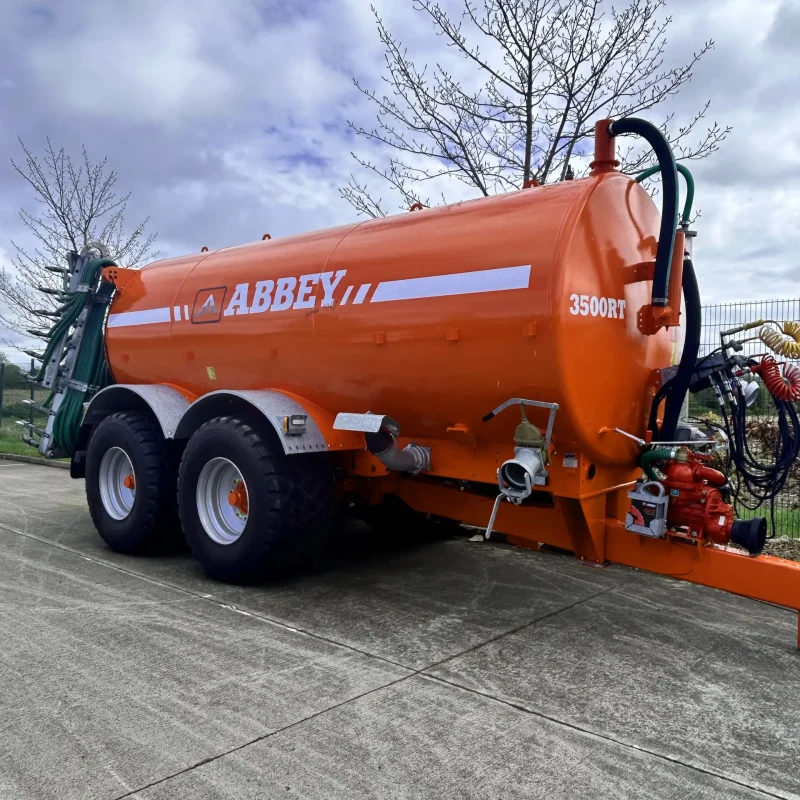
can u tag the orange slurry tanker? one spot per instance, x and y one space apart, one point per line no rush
513 363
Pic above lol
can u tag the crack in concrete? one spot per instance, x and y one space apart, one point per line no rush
521 627
606 738
422 672
414 673
261 738
205 598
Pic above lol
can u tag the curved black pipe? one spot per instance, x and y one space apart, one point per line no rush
679 385
669 211
652 424
412 458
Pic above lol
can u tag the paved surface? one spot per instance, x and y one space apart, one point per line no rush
442 670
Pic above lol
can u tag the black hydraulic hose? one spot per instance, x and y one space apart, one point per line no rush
652 423
669 211
677 388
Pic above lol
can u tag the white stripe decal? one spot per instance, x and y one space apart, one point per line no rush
148 317
484 280
451 284
362 293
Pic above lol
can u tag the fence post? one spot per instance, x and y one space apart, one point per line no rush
2 384
33 395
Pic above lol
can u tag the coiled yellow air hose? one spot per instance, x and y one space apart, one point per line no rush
783 342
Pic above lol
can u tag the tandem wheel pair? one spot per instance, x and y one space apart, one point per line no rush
247 510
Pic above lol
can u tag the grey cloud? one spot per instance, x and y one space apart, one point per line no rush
227 119
785 30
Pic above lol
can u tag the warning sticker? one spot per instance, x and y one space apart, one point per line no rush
570 460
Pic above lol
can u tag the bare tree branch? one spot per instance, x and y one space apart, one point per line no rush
77 205
549 70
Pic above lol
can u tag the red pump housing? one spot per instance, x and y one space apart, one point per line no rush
695 499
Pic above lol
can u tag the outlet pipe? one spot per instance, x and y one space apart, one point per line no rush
412 458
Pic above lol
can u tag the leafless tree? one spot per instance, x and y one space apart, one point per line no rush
526 105
77 205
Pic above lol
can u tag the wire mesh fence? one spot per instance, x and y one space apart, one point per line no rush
15 390
762 415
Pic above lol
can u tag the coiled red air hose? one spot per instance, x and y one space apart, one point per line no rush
784 386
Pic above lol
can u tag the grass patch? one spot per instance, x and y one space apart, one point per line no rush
14 408
15 405
787 520
11 442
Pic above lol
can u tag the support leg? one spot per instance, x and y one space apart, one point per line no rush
586 525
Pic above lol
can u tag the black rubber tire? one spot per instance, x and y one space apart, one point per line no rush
291 503
153 522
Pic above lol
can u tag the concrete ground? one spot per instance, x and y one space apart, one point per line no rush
438 670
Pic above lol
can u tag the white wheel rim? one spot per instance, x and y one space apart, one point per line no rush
117 483
222 520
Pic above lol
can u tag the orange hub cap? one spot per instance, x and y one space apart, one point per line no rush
238 498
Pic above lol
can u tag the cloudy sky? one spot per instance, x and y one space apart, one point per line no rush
226 119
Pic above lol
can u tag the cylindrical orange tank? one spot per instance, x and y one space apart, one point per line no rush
433 317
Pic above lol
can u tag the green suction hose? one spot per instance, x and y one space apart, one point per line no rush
90 368
659 454
687 206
